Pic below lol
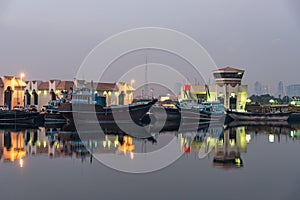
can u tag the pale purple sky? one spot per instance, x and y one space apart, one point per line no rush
49 39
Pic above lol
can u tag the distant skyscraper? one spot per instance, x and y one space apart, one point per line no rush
280 89
257 88
293 90
265 89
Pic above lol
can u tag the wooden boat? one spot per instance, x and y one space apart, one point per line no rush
165 113
95 113
18 117
51 114
251 116
215 109
252 123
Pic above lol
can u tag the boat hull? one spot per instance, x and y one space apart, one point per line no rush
18 117
97 114
244 116
54 118
186 115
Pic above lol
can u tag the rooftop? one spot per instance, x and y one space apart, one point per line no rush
228 69
65 85
104 86
43 86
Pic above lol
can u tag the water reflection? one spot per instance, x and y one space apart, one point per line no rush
229 148
226 145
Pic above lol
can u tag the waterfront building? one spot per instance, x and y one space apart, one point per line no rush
116 93
43 93
61 86
119 93
16 87
109 90
40 91
228 89
127 90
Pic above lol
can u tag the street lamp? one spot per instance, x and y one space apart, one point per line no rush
22 75
132 82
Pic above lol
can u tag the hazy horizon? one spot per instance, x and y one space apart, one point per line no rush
49 40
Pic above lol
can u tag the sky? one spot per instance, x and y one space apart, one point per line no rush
50 39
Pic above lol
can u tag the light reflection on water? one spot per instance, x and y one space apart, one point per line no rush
261 155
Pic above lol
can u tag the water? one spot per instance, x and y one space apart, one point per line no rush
49 167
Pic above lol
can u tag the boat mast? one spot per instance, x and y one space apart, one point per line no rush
146 79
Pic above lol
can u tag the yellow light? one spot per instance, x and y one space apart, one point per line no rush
232 143
116 143
109 93
248 138
44 144
271 138
22 75
21 163
292 133
238 161
38 143
131 155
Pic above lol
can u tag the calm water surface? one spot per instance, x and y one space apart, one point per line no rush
46 164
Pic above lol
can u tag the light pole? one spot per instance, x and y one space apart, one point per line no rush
132 82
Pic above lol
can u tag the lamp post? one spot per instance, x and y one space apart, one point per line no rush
132 82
